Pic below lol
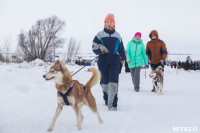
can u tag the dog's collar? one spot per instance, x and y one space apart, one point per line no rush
66 83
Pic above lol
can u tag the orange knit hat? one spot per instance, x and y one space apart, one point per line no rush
110 17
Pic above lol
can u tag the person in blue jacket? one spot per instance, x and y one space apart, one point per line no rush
109 46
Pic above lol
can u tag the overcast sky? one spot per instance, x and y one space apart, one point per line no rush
177 21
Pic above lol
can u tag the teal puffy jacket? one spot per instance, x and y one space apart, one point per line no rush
136 54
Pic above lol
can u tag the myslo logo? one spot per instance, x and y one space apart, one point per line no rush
184 129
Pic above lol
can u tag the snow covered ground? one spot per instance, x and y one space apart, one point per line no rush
28 103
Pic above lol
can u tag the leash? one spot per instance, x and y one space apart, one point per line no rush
65 84
83 66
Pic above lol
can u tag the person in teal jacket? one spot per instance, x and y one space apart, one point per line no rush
136 57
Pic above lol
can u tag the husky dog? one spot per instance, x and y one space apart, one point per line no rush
72 93
157 79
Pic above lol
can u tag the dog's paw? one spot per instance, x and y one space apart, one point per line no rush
50 129
82 119
158 93
79 128
101 121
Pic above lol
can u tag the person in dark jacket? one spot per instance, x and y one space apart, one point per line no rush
187 65
179 65
175 65
197 66
194 66
191 66
108 45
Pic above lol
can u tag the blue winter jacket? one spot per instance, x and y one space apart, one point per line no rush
109 63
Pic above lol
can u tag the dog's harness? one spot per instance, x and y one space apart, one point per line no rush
64 96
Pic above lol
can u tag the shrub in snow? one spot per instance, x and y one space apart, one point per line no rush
37 62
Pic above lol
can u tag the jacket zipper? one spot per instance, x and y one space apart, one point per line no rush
156 51
155 48
135 53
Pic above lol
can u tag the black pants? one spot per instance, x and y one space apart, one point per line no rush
154 66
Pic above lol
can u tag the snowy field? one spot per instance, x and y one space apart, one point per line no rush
28 103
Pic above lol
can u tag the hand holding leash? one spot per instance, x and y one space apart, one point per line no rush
104 49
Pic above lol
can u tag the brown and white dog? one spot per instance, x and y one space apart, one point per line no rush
157 79
77 97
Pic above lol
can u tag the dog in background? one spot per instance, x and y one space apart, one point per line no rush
157 79
79 94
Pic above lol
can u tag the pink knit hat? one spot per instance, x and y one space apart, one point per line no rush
138 34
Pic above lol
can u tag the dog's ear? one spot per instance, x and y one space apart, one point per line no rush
57 62
63 64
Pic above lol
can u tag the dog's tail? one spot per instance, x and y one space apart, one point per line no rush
95 77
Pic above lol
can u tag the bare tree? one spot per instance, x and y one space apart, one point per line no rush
6 50
72 50
1 56
42 39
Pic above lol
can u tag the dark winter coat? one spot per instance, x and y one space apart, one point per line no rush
179 64
109 63
187 65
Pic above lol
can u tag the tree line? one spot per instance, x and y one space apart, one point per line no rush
41 41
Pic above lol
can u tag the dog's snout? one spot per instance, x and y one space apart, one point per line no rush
44 76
